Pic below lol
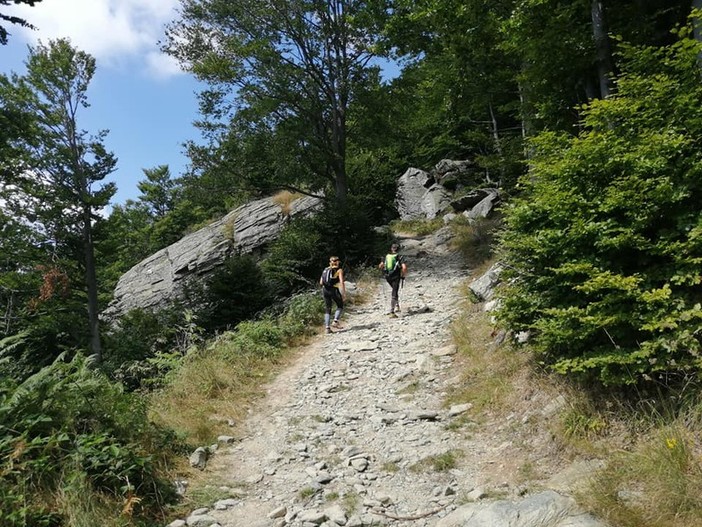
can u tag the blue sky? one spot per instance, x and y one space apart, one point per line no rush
138 94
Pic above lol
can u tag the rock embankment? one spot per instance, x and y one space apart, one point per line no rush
356 433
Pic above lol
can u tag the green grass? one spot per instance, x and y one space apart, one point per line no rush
417 227
475 240
657 482
438 463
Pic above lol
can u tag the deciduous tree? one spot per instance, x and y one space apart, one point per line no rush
55 190
282 75
13 19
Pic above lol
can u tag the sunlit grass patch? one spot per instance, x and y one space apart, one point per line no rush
438 463
475 239
657 483
488 372
285 199
418 227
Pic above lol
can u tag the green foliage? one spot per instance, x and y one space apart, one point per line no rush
296 259
457 97
373 182
144 347
47 309
604 247
68 424
259 338
157 190
234 293
302 314
278 93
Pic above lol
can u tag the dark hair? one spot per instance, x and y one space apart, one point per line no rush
394 248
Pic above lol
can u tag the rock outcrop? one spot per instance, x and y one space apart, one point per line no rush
160 279
427 195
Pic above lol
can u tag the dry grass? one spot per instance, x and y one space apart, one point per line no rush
475 240
489 373
366 281
654 481
285 199
419 227
213 388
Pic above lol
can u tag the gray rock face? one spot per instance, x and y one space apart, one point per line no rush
160 279
422 195
546 509
449 172
434 200
471 199
411 188
484 207
484 286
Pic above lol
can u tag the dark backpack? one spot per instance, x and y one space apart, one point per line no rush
328 277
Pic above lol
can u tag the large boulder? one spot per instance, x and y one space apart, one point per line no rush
545 509
411 188
434 201
161 279
419 196
452 174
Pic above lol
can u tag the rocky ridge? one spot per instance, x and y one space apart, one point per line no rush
355 432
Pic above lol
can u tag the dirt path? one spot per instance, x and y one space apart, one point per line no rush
355 433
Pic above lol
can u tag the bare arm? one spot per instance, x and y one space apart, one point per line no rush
342 282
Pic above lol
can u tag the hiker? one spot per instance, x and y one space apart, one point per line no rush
333 289
395 271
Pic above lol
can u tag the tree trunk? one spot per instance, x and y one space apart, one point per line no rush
91 285
602 48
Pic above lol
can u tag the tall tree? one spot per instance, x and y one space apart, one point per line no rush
157 190
287 71
56 190
468 79
13 19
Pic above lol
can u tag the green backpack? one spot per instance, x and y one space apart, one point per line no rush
392 265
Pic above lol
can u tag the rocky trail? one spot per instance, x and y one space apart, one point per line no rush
356 433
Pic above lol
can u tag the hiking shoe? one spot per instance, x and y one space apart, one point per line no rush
392 315
328 330
336 324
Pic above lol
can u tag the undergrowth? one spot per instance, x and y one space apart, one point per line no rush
647 445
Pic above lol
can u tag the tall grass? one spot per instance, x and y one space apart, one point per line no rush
475 239
418 227
656 480
488 372
217 382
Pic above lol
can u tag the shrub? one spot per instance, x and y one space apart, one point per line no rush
144 346
603 249
302 313
236 292
296 259
258 338
67 424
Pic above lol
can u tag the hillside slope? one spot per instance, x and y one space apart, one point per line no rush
357 431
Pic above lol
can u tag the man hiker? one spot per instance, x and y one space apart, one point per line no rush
333 289
395 270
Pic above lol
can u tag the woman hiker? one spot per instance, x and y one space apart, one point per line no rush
395 270
333 289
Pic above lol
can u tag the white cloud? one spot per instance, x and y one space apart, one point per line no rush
115 32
